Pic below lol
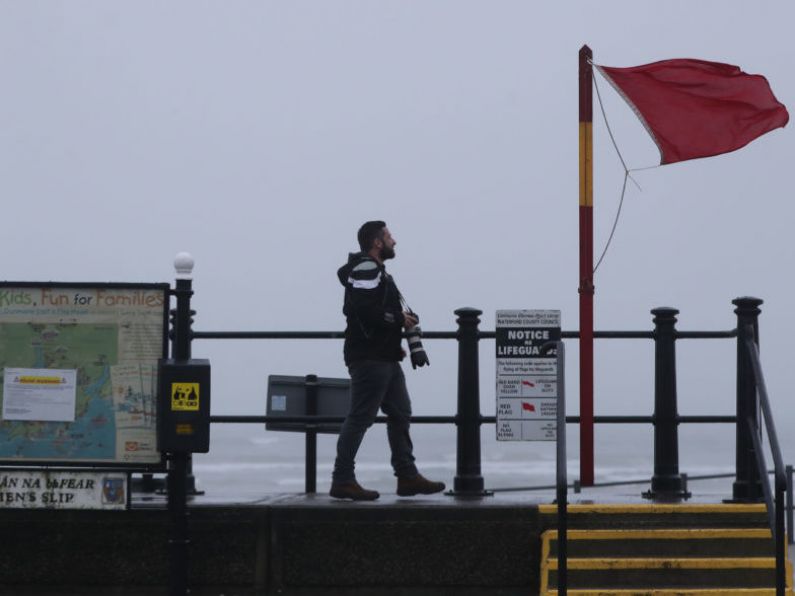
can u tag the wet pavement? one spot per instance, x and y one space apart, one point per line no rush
707 491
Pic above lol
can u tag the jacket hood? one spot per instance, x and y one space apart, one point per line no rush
354 258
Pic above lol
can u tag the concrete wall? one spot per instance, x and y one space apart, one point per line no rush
298 546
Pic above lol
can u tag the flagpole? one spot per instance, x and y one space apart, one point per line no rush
586 288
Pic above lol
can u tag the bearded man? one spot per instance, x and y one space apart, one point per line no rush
376 318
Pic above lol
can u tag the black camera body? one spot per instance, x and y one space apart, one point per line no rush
417 353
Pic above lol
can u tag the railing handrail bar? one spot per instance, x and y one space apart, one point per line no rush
447 419
774 510
764 402
316 419
760 462
732 333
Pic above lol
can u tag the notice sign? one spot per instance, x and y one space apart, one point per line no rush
40 394
63 490
527 388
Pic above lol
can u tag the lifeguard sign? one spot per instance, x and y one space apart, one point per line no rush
527 378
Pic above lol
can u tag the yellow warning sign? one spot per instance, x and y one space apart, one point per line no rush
28 380
184 396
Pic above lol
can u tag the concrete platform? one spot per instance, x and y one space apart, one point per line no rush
295 544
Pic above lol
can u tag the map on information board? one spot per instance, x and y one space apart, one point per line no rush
79 368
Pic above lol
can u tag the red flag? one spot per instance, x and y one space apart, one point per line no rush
528 407
694 108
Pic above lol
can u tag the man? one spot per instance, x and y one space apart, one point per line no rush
375 319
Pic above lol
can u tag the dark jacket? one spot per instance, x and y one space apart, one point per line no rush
372 309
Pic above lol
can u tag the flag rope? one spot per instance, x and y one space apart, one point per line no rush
627 175
615 221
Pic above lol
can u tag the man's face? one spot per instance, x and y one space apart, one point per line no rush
387 248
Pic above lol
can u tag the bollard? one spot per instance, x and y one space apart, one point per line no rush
747 486
468 481
310 436
666 484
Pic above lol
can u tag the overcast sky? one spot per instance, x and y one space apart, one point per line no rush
259 135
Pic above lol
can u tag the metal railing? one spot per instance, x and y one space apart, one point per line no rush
468 418
666 484
775 507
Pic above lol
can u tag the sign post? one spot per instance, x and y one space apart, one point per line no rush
531 397
527 382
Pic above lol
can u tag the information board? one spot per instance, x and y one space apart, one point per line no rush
527 390
79 366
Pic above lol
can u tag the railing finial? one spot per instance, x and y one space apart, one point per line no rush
183 264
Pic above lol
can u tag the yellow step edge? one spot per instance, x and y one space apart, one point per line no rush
669 563
674 592
663 534
544 571
618 508
666 534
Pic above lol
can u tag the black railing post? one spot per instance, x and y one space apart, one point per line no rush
178 469
186 341
666 484
310 434
468 480
747 486
788 474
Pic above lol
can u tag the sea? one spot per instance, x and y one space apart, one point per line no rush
246 461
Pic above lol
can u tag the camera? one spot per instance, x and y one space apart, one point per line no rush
416 351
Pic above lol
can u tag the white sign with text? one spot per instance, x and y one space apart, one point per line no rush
39 394
527 376
62 489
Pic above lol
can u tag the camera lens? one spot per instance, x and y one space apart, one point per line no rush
416 351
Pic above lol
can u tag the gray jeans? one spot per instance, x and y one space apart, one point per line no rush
374 385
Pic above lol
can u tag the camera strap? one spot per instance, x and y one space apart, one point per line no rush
403 303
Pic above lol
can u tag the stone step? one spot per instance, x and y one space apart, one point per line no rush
658 515
674 592
680 542
662 548
646 574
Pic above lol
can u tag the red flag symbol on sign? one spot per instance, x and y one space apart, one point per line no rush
695 108
528 407
528 383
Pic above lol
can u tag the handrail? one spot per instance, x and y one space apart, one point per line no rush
443 419
775 510
732 333
764 400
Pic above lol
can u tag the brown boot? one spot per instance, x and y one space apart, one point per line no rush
352 490
417 485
